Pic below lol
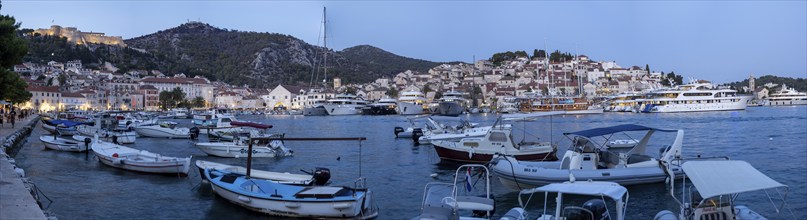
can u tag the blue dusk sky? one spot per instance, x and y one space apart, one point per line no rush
719 41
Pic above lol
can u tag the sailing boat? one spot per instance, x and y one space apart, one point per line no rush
316 98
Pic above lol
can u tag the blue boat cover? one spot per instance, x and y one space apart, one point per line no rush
614 129
66 123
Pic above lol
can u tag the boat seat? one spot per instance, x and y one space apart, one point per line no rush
323 192
441 212
475 203
229 178
638 158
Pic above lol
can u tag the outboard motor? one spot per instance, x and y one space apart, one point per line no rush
321 176
398 130
416 134
597 207
194 131
87 142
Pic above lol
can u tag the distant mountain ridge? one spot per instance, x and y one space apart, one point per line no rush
236 57
265 59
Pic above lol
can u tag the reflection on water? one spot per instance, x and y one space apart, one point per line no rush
774 140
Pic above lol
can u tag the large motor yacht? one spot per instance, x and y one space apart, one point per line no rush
452 104
344 104
693 97
385 106
787 96
412 103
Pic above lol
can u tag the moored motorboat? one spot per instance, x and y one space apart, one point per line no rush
278 199
716 184
594 208
412 103
460 199
239 145
62 144
319 176
163 130
385 106
452 104
138 160
588 161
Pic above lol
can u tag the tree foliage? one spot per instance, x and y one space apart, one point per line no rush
198 102
799 84
558 56
497 58
392 92
172 99
12 49
538 54
671 79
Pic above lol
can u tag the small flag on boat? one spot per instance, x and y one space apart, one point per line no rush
468 180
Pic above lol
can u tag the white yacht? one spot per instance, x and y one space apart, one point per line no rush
693 97
787 96
412 103
384 106
314 103
344 104
624 102
452 104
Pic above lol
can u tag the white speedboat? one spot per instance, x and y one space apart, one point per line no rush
412 103
786 96
622 143
586 159
284 200
179 113
497 140
434 130
344 104
319 176
163 130
239 148
461 199
107 128
694 97
138 160
594 208
62 144
716 185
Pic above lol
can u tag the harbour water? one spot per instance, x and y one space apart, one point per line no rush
772 139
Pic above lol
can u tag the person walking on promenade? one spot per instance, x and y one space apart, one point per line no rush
13 118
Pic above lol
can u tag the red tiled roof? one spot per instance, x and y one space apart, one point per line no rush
175 80
72 95
148 87
36 88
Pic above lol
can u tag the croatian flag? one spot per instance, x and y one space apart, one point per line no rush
468 180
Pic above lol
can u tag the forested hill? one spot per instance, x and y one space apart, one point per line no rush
236 57
799 84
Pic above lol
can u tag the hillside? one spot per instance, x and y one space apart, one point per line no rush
235 57
799 84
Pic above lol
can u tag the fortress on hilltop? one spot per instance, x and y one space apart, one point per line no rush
73 35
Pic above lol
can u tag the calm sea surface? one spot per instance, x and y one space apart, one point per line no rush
773 139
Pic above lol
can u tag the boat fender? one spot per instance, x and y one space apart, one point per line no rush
117 161
292 205
115 155
244 199
342 205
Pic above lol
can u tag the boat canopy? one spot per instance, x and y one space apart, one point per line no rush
67 123
614 129
608 189
250 124
715 178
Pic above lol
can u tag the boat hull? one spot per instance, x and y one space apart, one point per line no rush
161 132
409 108
126 137
450 109
378 110
158 164
786 102
62 144
234 151
359 206
315 111
343 109
525 175
469 157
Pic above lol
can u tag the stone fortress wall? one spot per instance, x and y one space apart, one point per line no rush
75 36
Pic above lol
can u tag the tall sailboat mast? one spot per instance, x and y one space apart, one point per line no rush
325 44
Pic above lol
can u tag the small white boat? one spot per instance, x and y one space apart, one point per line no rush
594 208
106 127
284 200
586 159
460 200
139 160
163 130
239 148
450 134
62 144
716 185
319 177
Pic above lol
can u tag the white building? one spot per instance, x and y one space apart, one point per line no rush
192 87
